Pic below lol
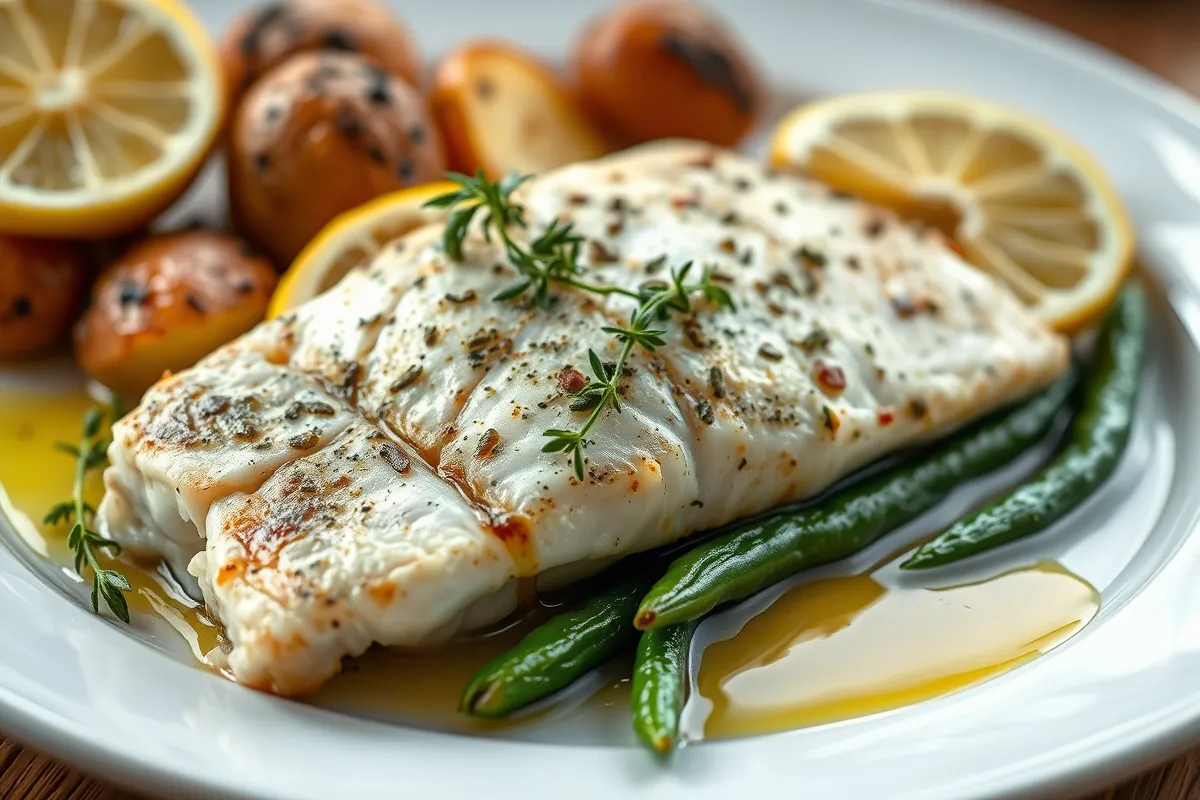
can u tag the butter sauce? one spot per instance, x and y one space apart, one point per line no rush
826 650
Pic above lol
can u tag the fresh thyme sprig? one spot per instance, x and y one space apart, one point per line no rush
553 258
91 453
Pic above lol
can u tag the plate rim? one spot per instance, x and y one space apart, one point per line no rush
41 728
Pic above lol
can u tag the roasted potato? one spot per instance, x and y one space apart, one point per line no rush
317 136
270 32
167 302
501 109
658 69
42 285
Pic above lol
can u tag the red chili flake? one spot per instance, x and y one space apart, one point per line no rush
831 379
571 380
885 418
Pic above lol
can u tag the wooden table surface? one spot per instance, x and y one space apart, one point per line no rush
1161 35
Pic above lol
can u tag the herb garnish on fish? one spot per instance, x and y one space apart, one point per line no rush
553 259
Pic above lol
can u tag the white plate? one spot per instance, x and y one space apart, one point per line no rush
1122 693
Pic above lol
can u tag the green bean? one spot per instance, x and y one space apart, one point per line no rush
559 651
1095 441
750 558
659 686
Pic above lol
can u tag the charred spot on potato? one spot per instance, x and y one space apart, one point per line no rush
711 64
405 170
262 161
348 124
376 154
338 39
378 92
484 88
194 303
416 134
21 307
131 293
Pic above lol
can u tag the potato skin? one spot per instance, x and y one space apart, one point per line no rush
658 69
42 286
167 302
270 32
317 136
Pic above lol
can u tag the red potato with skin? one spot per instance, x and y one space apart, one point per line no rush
42 286
317 136
501 109
660 69
269 33
166 303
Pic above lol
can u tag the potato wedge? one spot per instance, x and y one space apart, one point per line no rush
501 109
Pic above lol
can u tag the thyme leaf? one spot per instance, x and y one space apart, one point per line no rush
90 454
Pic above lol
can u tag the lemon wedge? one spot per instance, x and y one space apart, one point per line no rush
1022 200
352 239
107 110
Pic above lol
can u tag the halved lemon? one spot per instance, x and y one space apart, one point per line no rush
352 239
1022 200
107 110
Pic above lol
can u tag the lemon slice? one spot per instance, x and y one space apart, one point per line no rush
107 110
352 239
1022 200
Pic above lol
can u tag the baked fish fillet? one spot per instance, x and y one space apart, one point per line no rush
369 470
